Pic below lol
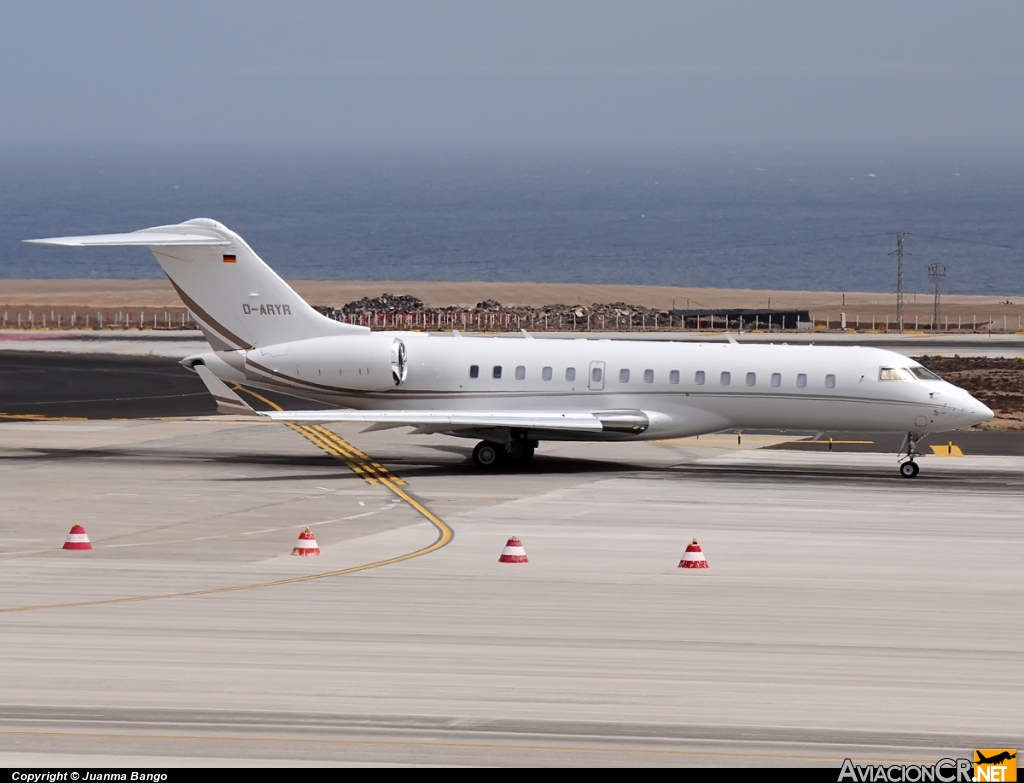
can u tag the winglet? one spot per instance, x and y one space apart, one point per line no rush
227 400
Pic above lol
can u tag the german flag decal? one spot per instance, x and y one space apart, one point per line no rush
229 259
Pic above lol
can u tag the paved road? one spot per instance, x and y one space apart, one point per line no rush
102 386
99 387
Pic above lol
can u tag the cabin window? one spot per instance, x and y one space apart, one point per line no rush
570 373
474 371
623 376
497 371
673 377
830 381
751 379
596 375
801 380
698 378
545 374
776 379
520 373
648 376
726 378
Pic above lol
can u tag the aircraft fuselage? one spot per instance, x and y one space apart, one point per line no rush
686 388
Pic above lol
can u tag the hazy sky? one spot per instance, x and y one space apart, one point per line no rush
524 72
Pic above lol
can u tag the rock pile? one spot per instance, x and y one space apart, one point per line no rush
385 303
492 315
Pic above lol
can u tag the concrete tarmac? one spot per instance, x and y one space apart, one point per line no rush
846 613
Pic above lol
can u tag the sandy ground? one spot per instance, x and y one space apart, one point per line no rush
822 304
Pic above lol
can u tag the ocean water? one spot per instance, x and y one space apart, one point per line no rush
783 218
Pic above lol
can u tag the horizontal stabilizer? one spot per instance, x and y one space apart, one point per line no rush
134 239
223 283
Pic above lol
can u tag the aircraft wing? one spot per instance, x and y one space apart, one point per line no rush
449 420
436 420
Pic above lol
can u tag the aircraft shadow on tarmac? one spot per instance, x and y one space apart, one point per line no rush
163 457
404 466
327 467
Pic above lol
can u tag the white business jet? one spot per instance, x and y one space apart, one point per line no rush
513 393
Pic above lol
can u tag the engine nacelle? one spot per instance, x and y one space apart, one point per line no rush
372 362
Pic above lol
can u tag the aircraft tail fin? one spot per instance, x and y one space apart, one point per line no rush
237 300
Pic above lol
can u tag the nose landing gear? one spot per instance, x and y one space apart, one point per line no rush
908 467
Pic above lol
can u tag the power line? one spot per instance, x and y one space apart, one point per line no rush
685 251
966 241
782 244
819 240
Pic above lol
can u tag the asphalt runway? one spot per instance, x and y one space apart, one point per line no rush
847 612
104 386
99 387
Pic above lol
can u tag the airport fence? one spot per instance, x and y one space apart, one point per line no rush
511 320
164 318
514 321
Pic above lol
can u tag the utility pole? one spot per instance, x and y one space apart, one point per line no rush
899 277
937 272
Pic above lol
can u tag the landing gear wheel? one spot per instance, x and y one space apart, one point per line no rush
519 452
909 468
488 455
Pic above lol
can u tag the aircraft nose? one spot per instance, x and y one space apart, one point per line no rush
976 411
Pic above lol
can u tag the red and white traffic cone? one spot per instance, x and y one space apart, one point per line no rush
513 552
693 557
77 539
306 544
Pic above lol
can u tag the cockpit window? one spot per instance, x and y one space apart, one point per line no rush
924 374
894 374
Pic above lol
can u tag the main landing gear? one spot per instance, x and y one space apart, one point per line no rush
908 467
489 455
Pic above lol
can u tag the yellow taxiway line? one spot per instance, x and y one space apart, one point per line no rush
39 417
335 445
